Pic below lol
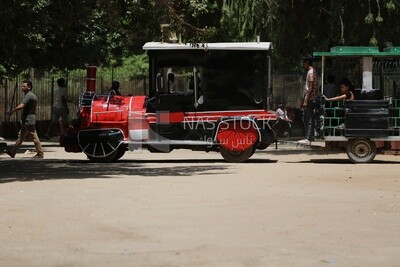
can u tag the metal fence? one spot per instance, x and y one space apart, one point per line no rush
286 87
44 83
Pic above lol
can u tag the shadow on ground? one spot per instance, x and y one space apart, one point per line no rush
30 170
26 169
342 161
345 161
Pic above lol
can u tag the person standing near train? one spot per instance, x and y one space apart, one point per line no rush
309 100
60 108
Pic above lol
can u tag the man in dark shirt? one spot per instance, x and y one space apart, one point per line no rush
28 121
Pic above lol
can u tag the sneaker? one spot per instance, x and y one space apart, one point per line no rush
10 154
304 142
37 156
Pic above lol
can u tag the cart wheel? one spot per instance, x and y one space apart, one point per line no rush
236 156
361 150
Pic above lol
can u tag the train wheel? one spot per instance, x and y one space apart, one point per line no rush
361 150
107 159
236 156
106 151
120 153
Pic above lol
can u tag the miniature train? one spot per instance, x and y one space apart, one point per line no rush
211 98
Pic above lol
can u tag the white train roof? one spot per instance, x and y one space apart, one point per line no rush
209 46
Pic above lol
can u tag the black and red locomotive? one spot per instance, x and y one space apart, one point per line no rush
210 97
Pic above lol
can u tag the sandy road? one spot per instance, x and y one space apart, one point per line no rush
290 207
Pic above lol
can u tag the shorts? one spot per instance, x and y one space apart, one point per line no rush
59 112
29 120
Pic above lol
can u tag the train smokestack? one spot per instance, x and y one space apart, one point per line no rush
91 78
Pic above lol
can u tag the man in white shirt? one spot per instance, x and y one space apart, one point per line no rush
60 107
309 103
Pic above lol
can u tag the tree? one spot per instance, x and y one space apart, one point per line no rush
299 27
68 34
192 21
16 17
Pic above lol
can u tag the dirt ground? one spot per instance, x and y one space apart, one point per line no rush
285 207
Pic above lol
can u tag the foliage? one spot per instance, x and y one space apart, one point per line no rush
243 20
194 21
69 34
299 27
134 66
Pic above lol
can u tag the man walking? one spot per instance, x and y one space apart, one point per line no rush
28 121
309 103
